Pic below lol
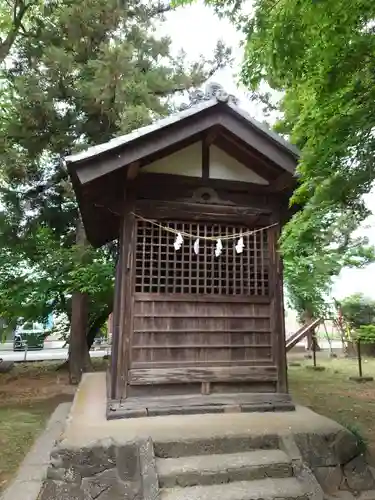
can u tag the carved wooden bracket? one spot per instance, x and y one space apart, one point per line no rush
206 195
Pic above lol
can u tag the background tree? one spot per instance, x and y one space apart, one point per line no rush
314 257
88 71
13 17
319 57
358 312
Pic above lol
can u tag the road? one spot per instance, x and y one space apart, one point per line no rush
58 354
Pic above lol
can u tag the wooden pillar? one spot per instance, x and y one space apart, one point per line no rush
123 304
277 310
116 323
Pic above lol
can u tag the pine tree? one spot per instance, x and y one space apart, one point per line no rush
86 72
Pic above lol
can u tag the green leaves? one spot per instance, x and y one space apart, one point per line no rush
366 334
81 73
316 245
13 19
359 312
321 55
38 280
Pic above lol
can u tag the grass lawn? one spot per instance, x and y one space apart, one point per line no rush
19 426
332 394
29 394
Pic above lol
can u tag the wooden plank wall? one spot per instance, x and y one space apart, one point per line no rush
190 331
202 340
185 343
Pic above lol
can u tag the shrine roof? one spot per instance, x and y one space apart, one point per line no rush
174 118
99 174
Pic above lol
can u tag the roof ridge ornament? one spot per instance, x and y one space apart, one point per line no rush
212 90
222 96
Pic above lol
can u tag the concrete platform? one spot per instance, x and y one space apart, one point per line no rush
87 422
296 455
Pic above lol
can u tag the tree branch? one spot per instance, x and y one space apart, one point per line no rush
156 10
182 87
58 176
19 11
160 9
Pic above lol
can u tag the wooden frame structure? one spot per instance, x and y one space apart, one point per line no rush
192 332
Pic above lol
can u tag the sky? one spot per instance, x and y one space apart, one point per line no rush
197 29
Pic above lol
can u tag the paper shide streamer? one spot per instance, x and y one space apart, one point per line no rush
178 242
196 246
240 245
218 248
180 235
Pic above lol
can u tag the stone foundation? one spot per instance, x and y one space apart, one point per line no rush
337 463
329 464
105 471
97 459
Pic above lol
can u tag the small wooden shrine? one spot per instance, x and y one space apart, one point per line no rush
196 201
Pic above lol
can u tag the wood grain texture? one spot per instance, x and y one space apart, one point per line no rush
209 364
198 332
205 158
190 375
135 407
163 210
198 323
208 299
277 310
125 332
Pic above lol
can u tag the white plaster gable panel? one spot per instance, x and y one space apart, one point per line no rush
187 161
223 166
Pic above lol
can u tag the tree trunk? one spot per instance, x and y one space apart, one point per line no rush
90 337
79 357
78 352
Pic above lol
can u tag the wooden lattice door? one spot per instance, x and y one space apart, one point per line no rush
160 269
200 310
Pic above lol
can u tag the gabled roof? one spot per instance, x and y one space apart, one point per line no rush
122 140
99 173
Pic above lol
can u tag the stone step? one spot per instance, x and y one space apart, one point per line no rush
214 445
216 469
263 489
